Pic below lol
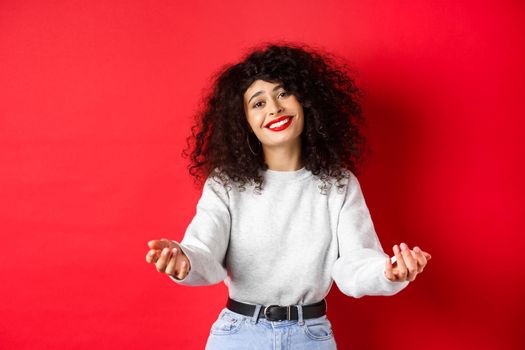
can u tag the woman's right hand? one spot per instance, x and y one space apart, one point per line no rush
168 258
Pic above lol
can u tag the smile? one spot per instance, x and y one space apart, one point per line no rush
283 124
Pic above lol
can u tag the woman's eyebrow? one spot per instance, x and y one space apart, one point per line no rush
260 92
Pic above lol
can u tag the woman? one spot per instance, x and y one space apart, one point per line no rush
282 215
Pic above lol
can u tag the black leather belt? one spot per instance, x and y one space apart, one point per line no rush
277 312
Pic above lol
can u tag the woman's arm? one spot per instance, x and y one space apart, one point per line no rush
360 267
206 239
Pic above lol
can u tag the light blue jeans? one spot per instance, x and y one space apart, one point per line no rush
232 330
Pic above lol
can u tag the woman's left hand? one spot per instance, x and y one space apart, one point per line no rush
409 263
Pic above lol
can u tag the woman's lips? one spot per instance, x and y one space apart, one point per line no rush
284 126
277 120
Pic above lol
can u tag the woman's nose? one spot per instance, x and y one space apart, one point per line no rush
275 107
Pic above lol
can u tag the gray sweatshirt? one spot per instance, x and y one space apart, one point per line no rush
286 245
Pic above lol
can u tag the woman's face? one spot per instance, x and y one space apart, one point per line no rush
266 102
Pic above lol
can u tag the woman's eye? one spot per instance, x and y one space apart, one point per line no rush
256 105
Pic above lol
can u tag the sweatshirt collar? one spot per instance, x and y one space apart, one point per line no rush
293 175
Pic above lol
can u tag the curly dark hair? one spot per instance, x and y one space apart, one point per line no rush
332 139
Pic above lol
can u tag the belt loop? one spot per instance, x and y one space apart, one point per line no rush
255 316
300 314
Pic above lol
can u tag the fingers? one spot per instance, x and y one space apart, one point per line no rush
410 262
163 260
153 255
170 259
170 269
156 248
159 244
425 254
420 258
178 265
183 266
175 264
401 269
389 274
150 255
184 270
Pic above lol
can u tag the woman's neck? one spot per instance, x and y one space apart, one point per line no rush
283 160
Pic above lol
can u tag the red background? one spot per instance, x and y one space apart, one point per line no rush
96 101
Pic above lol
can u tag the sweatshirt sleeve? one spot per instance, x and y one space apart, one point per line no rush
206 239
359 269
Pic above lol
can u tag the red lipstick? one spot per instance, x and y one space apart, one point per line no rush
277 120
283 126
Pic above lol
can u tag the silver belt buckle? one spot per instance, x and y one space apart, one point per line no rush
265 309
288 315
